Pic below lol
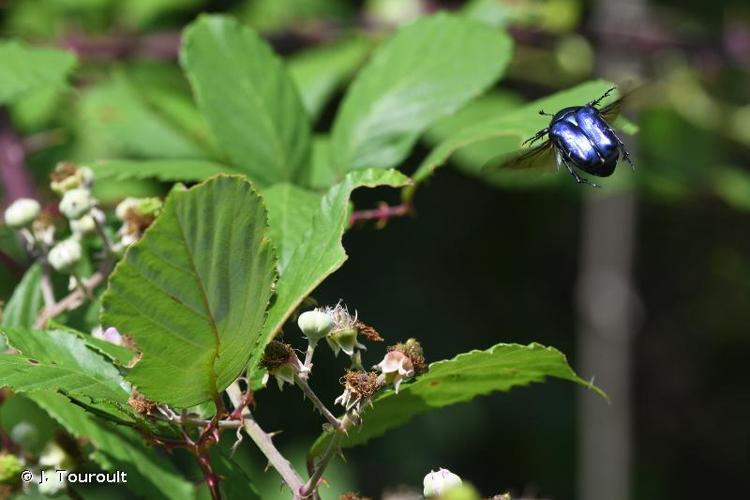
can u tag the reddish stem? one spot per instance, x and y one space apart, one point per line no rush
382 214
16 181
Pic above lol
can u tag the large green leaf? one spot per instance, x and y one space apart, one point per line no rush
117 120
509 130
117 448
192 293
319 252
320 71
290 213
164 170
59 360
26 301
249 100
447 382
24 69
426 71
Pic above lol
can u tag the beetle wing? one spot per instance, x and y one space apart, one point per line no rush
537 156
612 110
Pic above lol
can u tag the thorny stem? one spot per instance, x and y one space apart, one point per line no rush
319 405
308 359
312 484
263 441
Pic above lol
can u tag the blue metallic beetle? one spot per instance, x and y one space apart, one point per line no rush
581 139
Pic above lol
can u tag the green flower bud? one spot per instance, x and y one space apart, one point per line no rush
76 203
83 226
65 255
315 324
10 468
22 212
436 483
140 207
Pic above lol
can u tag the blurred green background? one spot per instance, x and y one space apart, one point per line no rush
483 259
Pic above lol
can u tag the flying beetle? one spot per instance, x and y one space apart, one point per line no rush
581 139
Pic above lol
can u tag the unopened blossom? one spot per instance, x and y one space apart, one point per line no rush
87 224
438 482
76 203
65 254
137 214
315 324
21 213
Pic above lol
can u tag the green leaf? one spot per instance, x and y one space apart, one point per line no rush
319 72
249 100
290 212
24 69
26 301
510 129
117 448
163 170
428 70
192 293
319 252
116 353
116 120
475 373
57 359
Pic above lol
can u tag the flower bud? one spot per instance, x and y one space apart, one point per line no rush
65 255
438 482
53 483
111 335
10 468
76 203
21 213
83 226
315 325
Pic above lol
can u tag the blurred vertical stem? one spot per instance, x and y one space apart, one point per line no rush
606 293
15 179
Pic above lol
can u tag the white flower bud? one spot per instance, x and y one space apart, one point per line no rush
83 226
54 455
22 212
315 324
438 482
65 254
52 484
76 203
125 206
111 335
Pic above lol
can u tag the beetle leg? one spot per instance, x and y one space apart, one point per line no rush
578 178
536 137
596 102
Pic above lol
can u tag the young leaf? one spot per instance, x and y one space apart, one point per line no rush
428 70
163 170
24 69
447 382
249 100
192 293
515 126
118 448
318 72
319 252
56 359
26 301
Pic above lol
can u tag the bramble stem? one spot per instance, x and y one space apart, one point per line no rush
312 484
302 384
108 245
263 441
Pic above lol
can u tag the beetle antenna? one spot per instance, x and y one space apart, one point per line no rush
541 112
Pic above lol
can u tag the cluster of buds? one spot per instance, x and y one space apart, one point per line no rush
281 362
136 214
401 362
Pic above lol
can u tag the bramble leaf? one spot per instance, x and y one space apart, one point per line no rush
193 292
475 373
24 69
26 301
249 100
428 70
163 170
